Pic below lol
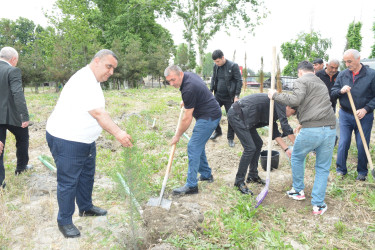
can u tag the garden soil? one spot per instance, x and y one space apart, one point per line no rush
187 213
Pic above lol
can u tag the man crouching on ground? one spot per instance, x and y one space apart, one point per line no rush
317 132
245 116
72 129
200 104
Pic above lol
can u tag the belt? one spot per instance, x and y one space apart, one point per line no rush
237 108
330 126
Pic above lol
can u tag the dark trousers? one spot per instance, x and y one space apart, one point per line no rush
22 147
347 126
227 103
75 164
251 143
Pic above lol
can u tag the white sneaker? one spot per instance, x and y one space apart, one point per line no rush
319 210
296 195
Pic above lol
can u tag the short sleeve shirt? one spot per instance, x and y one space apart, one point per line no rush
195 94
71 119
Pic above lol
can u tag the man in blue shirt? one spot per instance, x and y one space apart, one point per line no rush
200 104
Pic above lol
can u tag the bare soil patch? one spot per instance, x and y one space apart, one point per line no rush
38 206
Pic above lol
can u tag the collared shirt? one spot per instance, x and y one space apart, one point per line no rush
71 120
195 94
329 82
6 62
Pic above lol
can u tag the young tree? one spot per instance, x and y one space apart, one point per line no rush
353 37
307 46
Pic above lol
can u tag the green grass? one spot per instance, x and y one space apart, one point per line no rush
233 224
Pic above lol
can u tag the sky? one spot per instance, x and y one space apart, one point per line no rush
287 18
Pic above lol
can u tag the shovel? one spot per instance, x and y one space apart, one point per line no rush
364 142
160 202
264 191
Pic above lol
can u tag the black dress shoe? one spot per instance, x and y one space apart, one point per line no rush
209 180
231 143
185 190
243 188
361 177
257 179
20 171
215 135
94 211
69 231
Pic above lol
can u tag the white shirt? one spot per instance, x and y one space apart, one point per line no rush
70 120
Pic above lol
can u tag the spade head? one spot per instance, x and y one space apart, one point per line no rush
155 202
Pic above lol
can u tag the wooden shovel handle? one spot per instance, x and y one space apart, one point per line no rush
364 142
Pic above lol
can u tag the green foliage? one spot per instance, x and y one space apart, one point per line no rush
182 57
80 28
204 18
207 69
236 228
307 46
135 63
373 46
340 228
353 37
25 37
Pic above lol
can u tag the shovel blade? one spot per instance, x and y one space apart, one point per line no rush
262 194
155 202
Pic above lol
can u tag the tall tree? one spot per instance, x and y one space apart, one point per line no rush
135 63
133 19
307 46
373 46
205 18
354 37
183 58
74 21
158 59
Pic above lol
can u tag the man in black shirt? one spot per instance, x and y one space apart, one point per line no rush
318 65
200 104
328 76
245 116
226 83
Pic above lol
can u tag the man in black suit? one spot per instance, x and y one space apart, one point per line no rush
14 115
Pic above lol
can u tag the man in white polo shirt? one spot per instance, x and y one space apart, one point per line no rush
72 129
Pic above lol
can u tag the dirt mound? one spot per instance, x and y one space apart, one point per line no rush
182 219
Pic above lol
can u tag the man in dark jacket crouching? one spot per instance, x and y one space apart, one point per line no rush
245 116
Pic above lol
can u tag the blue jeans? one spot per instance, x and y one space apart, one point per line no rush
75 164
347 125
196 151
322 140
